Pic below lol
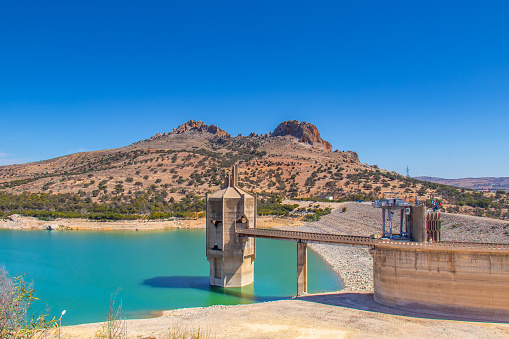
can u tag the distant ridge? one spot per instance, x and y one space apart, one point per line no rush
484 183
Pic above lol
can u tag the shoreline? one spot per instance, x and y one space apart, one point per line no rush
326 315
17 222
350 312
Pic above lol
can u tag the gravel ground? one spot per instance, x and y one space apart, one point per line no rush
355 265
337 315
458 227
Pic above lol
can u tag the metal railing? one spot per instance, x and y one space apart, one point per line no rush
307 236
372 242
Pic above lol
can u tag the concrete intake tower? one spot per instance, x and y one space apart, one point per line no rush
231 257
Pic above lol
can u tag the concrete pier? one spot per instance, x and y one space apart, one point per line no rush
302 268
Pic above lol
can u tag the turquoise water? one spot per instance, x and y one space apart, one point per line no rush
79 271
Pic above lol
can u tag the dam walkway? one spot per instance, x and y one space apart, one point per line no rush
341 239
302 238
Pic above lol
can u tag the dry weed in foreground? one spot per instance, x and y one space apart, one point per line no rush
16 297
178 331
115 326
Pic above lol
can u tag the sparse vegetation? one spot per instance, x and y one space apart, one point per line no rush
52 206
179 331
316 214
127 183
115 326
16 298
271 205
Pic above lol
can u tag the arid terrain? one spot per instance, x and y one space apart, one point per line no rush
338 315
351 313
292 161
491 184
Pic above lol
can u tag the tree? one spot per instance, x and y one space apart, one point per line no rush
367 186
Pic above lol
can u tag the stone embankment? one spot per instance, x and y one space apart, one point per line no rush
355 265
459 227
17 222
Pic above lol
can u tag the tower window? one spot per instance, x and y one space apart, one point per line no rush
242 222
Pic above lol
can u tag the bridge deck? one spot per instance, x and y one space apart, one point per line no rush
307 236
371 242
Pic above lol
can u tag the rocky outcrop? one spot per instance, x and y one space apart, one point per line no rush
190 126
352 156
349 156
200 126
304 131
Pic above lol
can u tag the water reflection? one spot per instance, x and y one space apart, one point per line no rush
202 283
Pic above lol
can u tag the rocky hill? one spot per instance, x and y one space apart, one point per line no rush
197 130
305 132
191 160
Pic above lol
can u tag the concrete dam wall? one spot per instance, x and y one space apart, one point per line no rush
412 270
469 284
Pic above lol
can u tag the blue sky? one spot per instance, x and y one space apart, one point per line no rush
417 83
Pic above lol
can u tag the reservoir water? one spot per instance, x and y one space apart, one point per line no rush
153 271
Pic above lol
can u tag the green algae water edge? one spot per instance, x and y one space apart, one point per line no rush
156 270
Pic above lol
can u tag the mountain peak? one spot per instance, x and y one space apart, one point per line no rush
200 126
304 131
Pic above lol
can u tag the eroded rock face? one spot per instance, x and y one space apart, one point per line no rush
352 156
304 131
200 126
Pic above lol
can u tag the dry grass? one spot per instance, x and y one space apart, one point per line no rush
115 326
16 297
178 331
